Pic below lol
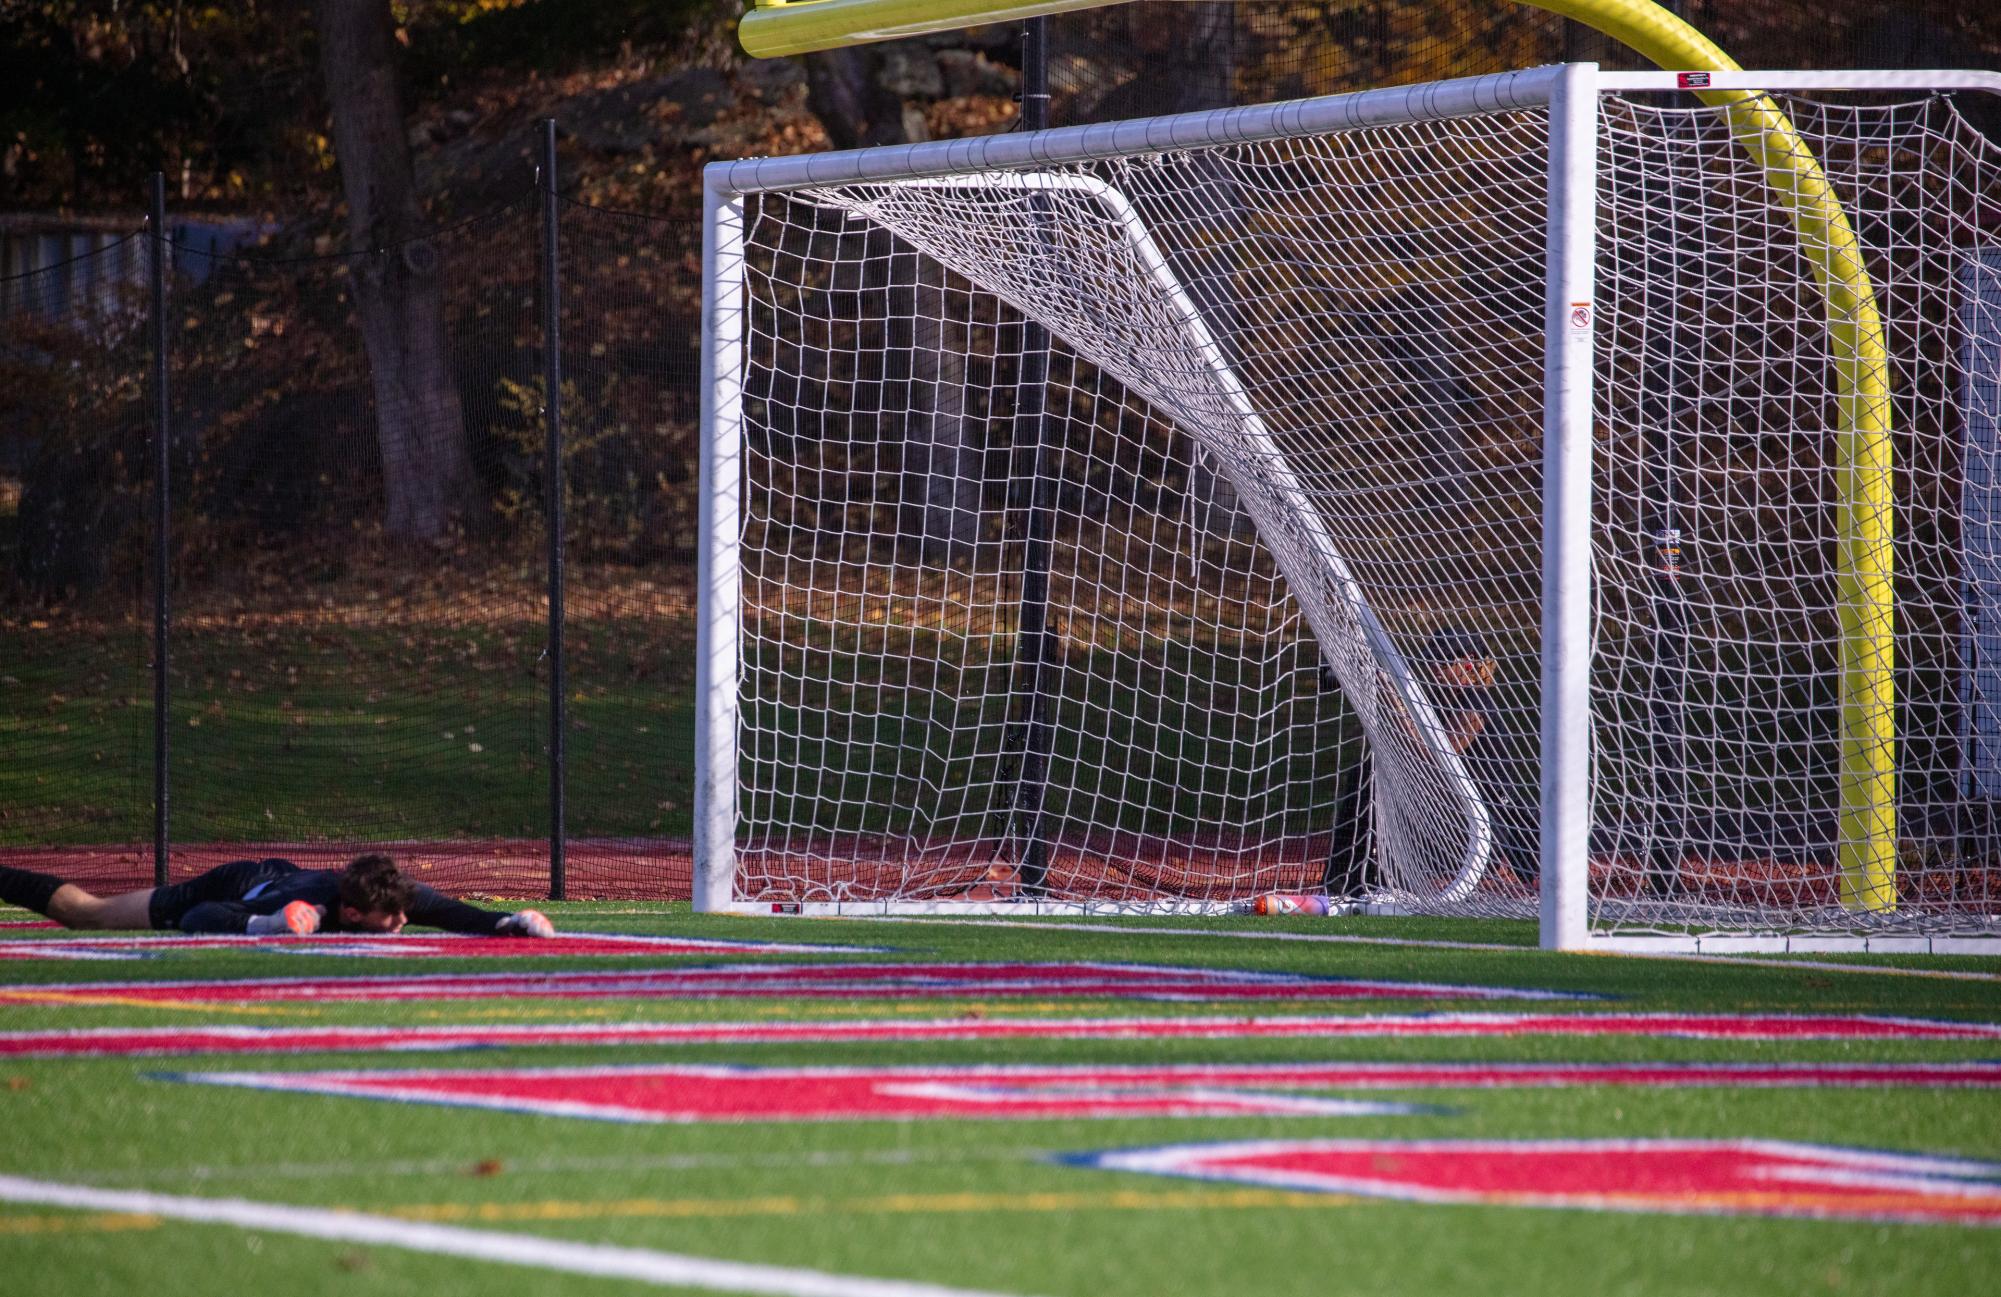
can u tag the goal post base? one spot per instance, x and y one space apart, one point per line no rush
1023 909
1384 906
1733 943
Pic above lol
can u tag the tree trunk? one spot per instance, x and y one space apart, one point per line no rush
848 91
1206 79
426 465
845 90
943 462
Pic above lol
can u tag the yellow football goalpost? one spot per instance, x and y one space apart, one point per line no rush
1863 466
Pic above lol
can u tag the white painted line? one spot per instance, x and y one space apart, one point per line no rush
668 1269
1337 938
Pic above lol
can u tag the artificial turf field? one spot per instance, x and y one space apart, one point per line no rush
543 1195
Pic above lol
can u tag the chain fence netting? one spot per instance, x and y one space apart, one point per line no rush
359 640
1166 56
76 690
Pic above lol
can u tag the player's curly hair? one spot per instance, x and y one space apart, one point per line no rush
1453 644
373 885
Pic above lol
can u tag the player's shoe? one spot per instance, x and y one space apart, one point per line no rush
302 918
526 923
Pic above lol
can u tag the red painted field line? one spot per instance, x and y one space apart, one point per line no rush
696 1093
112 1041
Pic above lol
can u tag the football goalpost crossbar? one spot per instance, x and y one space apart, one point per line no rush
1439 841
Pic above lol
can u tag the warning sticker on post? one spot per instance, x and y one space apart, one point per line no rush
1580 317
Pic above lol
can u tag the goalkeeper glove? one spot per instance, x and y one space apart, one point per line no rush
300 918
526 923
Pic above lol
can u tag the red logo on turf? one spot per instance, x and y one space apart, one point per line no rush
239 1038
695 1093
796 981
1699 1177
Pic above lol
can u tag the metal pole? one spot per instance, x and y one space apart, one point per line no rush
719 577
158 250
552 408
1569 319
1034 732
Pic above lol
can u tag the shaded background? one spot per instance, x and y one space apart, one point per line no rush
333 684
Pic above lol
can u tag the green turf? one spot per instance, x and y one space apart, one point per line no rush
299 737
984 1204
436 731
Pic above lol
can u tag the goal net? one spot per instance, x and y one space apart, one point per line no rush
1153 515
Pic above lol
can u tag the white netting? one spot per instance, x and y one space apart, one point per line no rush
1339 336
1291 484
892 710
1718 692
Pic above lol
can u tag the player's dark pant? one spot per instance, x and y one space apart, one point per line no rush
1349 871
239 880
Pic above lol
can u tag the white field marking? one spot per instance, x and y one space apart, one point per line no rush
668 1269
1337 938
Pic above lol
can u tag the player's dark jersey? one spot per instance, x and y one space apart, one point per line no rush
226 898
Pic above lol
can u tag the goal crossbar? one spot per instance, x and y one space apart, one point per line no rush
1464 97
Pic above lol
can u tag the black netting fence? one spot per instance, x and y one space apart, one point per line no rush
1169 56
76 685
359 643
631 409
357 616
1164 56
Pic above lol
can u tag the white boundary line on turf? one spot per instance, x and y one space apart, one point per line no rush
668 1269
1336 938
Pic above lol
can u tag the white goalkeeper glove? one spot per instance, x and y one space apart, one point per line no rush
526 923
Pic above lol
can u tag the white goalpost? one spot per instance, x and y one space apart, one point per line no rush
1474 498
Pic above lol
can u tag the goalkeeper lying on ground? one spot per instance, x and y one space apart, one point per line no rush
1460 673
270 896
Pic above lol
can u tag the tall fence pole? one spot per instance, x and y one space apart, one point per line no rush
552 409
1035 648
157 253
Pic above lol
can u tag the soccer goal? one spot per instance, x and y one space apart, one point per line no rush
1539 494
